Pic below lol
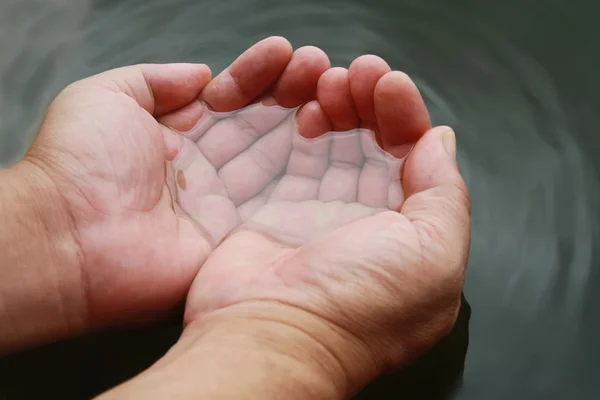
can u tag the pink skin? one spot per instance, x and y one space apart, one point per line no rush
112 177
113 180
358 271
140 259
252 168
230 165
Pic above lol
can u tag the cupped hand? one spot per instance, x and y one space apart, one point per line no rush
385 283
105 142
252 168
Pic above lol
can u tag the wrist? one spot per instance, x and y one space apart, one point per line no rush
253 350
41 295
296 361
287 330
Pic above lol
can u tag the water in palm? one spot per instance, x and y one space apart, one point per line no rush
517 80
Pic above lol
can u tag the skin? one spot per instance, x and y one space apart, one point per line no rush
320 320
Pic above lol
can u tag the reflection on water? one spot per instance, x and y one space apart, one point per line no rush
516 80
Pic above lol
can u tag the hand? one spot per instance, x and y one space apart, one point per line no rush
104 143
375 292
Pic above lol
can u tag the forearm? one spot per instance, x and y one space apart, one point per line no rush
241 358
40 287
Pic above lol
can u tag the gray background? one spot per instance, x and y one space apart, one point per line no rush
517 79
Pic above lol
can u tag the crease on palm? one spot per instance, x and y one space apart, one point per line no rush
251 169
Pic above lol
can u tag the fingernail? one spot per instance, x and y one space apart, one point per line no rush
449 141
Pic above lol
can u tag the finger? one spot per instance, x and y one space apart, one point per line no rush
298 83
251 74
340 182
247 77
364 73
437 199
309 158
230 136
251 171
333 94
310 154
308 162
158 88
186 118
312 121
378 174
402 117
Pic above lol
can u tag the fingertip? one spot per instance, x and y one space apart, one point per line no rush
334 96
298 83
369 61
277 42
204 72
316 55
364 73
334 74
191 70
312 120
402 116
184 119
394 79
249 76
169 87
194 76
431 162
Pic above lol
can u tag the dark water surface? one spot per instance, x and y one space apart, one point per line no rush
517 79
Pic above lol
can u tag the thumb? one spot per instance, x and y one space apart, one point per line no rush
437 199
158 88
166 91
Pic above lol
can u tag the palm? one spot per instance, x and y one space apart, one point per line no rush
138 257
309 225
137 252
253 168
310 207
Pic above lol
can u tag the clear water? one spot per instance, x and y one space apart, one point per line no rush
517 79
253 168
